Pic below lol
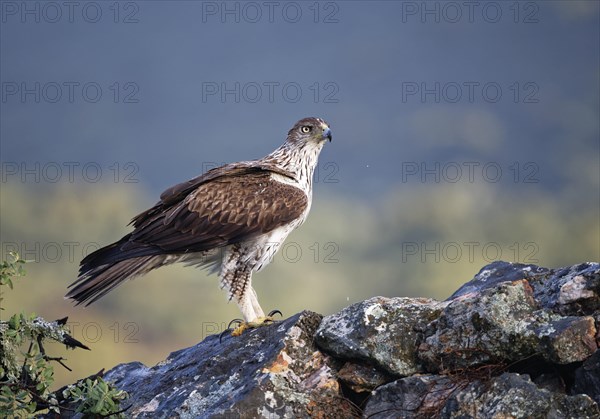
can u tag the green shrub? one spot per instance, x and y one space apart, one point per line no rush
26 372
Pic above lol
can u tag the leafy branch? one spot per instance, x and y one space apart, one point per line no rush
27 375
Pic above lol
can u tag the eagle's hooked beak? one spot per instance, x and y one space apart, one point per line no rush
327 133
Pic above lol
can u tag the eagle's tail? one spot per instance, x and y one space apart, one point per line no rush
103 270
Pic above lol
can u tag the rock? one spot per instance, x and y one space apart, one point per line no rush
497 273
506 396
362 378
517 341
514 395
420 396
383 331
273 371
551 382
587 378
503 324
570 291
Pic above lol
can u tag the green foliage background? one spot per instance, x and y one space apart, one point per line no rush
360 255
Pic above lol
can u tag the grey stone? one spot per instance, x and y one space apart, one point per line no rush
470 356
570 291
503 324
384 331
362 378
587 378
506 396
420 396
273 371
497 273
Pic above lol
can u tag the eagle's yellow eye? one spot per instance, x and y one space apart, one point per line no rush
305 129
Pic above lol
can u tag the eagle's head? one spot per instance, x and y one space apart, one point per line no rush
309 131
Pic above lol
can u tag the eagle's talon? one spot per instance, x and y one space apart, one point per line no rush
234 321
274 312
224 333
254 324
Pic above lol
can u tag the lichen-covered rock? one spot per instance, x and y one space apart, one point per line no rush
570 291
515 396
506 396
362 378
470 356
568 339
504 324
383 331
496 273
420 396
274 371
587 378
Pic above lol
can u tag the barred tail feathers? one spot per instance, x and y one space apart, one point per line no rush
106 268
95 282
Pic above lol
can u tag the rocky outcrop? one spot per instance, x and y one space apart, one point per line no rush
507 395
274 371
517 341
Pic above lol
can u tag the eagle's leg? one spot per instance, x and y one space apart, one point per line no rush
248 305
254 300
236 277
254 315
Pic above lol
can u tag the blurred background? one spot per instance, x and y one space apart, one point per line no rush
462 134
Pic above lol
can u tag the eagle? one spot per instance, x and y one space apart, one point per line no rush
231 220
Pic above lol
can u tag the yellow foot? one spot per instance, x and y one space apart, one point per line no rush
243 326
260 321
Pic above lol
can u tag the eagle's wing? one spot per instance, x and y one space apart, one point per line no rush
224 206
217 212
175 194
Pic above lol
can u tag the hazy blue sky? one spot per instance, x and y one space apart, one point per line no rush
403 84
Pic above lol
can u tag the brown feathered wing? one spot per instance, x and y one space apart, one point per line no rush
227 205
